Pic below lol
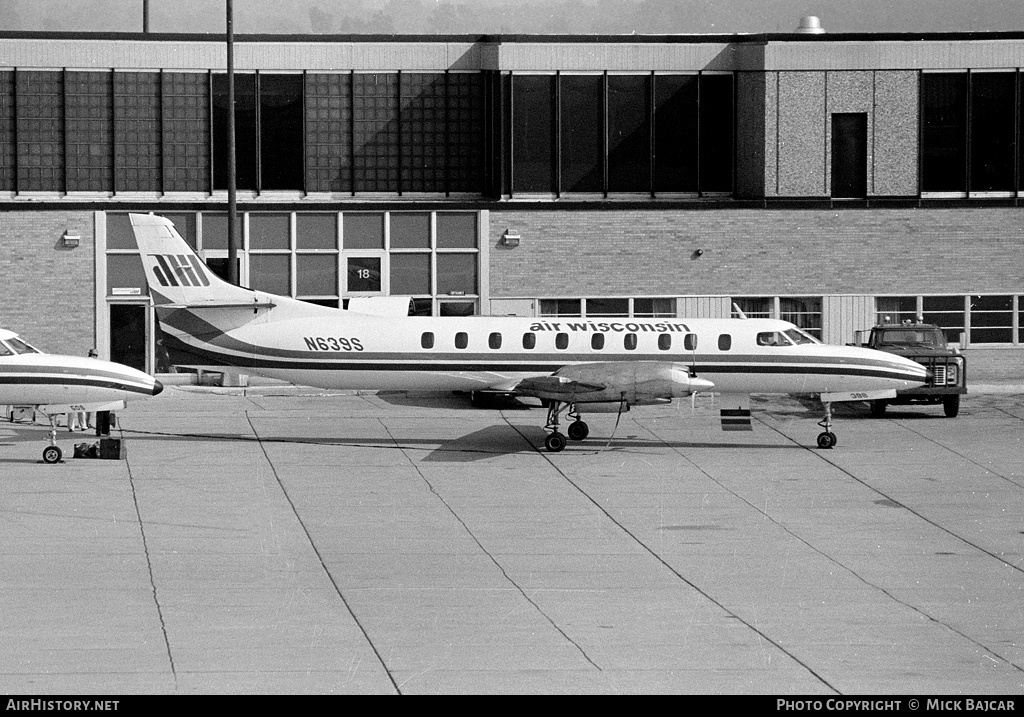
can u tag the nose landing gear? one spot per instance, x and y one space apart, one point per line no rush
826 439
52 453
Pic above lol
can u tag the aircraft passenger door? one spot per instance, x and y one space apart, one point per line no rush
128 336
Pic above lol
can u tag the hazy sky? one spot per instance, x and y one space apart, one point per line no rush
510 16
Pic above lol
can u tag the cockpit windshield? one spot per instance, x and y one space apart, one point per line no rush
20 347
801 337
4 350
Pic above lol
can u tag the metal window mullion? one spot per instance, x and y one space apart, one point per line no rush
651 133
557 143
969 125
605 129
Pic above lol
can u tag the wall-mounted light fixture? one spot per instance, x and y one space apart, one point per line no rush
510 239
70 241
697 254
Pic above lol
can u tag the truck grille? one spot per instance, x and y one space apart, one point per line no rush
939 374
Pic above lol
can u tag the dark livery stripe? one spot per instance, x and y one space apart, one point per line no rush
63 380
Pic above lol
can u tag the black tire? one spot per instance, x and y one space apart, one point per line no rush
555 442
52 454
878 407
951 405
826 439
578 430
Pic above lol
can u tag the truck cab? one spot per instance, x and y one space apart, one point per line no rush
926 344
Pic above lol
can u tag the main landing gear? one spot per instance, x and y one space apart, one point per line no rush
52 453
577 430
826 439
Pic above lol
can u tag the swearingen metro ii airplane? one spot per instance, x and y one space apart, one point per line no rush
566 363
55 384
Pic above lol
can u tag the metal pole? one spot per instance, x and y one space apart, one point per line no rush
232 170
145 16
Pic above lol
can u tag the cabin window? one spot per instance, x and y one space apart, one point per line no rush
690 342
597 342
724 342
427 340
665 341
629 341
461 340
494 340
561 341
4 351
529 341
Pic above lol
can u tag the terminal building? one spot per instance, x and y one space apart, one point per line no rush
827 179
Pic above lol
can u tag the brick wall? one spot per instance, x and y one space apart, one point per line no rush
635 252
47 291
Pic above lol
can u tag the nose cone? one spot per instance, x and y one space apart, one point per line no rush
157 388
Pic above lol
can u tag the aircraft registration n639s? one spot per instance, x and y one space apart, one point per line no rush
571 365
53 384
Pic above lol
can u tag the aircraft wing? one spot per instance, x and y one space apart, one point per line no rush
635 382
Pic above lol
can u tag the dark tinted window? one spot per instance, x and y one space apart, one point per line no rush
533 133
629 341
461 340
427 340
675 133
494 341
690 342
724 342
993 105
665 341
716 135
582 141
561 341
529 341
245 131
629 134
597 342
944 132
280 127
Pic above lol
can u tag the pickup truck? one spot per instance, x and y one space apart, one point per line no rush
926 344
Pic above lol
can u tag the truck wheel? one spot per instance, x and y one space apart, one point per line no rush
878 407
951 405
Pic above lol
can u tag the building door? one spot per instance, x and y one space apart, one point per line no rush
128 335
850 155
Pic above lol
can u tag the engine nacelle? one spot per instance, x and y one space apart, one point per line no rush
636 382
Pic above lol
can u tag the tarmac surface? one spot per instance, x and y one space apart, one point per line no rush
284 540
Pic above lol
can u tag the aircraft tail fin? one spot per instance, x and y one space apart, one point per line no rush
176 274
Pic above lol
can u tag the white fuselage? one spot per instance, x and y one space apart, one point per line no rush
345 350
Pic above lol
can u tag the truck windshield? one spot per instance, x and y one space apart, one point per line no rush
912 337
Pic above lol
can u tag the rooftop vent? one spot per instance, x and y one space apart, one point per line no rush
810 25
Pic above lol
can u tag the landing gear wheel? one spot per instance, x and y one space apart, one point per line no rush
52 454
826 439
555 442
950 405
578 430
878 407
